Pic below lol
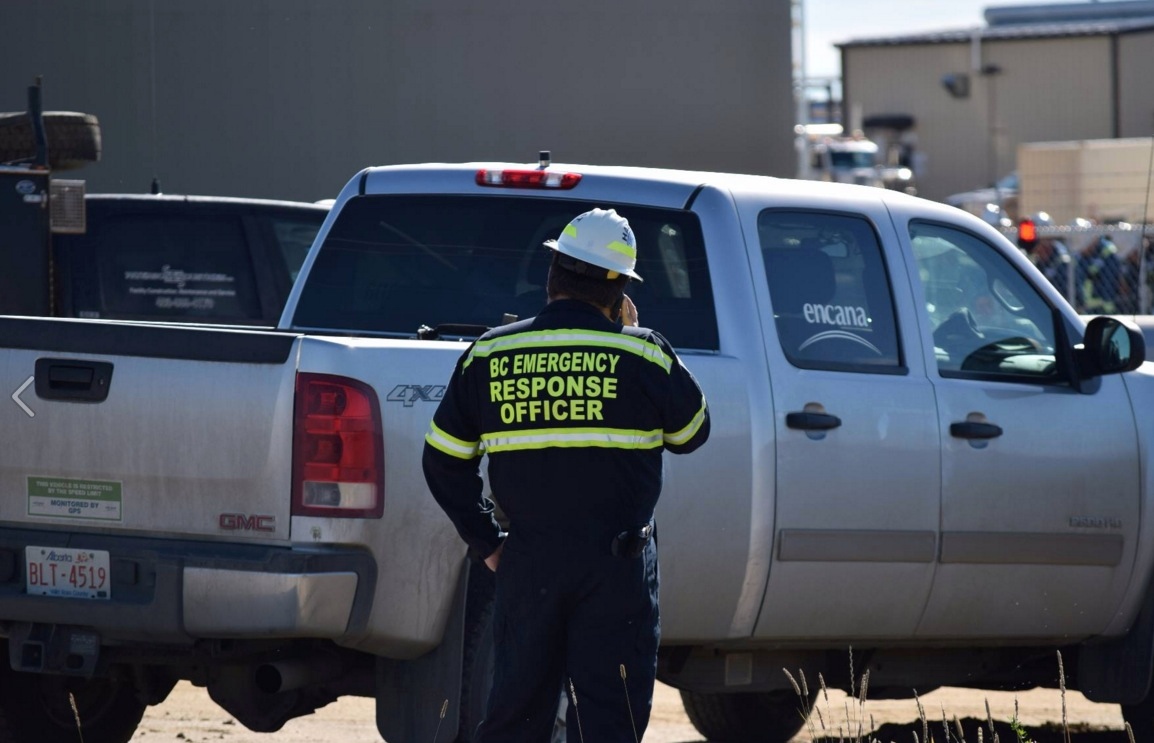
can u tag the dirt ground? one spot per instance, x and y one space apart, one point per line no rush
189 716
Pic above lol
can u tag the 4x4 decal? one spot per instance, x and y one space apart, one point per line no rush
411 393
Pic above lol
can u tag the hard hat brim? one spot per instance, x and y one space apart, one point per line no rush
552 245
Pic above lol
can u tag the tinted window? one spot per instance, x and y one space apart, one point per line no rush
391 264
170 266
987 319
830 292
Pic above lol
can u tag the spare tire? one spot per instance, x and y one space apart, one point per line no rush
73 138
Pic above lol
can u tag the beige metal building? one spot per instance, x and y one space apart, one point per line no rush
1034 73
288 99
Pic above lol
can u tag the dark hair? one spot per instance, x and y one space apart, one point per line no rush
601 292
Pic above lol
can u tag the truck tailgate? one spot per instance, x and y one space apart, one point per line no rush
157 429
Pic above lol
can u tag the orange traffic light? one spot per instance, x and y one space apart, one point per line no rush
1027 234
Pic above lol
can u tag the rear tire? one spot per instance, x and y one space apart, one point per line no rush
36 707
73 138
745 717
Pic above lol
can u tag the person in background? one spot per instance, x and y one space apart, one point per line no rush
1052 258
1097 278
1135 281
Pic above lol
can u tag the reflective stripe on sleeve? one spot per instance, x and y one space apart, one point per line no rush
685 434
545 438
545 339
451 445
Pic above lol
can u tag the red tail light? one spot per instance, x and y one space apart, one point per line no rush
338 454
527 179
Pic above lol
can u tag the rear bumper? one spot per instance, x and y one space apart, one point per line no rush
178 591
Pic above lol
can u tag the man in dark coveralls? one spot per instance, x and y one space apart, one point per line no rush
574 408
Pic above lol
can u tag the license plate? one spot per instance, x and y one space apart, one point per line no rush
67 573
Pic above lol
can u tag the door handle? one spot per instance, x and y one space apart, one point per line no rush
975 430
73 379
804 421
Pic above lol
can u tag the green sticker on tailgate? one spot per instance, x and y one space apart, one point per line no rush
71 498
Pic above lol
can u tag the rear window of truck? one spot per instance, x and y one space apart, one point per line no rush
199 261
165 266
392 264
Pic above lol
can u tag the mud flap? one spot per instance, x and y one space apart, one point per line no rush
1118 671
412 694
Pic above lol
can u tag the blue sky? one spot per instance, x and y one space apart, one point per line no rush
831 21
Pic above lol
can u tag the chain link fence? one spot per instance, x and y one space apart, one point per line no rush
1100 269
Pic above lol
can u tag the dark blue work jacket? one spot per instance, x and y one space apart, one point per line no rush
574 412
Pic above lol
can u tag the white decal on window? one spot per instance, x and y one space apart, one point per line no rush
832 314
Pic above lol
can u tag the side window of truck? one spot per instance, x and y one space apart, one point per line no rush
987 319
830 291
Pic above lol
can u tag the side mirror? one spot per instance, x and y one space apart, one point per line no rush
1111 346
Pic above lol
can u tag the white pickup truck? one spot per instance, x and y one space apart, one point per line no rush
918 450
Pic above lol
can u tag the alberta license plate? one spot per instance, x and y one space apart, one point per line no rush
67 573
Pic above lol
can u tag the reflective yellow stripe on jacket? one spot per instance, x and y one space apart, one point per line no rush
450 444
543 438
685 434
576 337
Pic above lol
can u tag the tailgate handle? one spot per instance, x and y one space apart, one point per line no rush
73 379
812 421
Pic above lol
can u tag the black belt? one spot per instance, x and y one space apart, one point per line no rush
631 542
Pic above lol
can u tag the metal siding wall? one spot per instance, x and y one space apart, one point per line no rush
290 98
1048 90
907 79
1053 89
1136 60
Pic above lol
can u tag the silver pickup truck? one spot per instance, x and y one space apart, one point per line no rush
919 450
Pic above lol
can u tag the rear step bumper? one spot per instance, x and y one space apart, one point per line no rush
177 591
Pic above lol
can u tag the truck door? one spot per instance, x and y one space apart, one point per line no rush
857 476
1040 481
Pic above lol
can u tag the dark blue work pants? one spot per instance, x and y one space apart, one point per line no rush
574 614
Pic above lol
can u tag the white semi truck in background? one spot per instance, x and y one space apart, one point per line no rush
831 156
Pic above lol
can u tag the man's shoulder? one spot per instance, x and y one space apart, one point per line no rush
649 335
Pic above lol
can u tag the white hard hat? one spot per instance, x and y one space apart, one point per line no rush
601 238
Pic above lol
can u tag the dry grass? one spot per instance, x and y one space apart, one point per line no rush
853 724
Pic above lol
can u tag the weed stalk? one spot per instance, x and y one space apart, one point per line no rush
444 709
